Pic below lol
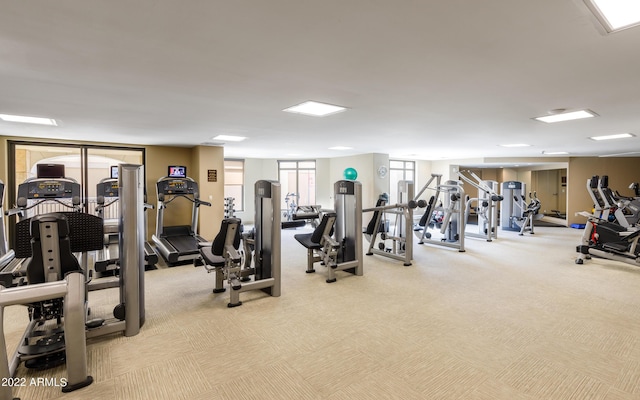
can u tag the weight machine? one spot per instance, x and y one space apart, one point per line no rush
57 301
262 245
452 210
337 241
511 209
529 213
378 230
486 206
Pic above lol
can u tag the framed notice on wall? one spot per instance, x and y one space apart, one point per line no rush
212 175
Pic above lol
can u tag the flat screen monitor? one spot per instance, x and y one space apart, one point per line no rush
50 171
177 171
114 172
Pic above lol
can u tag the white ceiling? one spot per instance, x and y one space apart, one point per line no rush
422 79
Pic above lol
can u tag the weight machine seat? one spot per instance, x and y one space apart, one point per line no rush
37 267
313 240
214 255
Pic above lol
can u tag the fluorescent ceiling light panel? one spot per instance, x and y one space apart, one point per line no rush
631 153
554 153
610 137
28 120
515 145
229 138
340 148
567 116
616 15
315 109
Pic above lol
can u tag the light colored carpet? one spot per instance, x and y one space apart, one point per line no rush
511 319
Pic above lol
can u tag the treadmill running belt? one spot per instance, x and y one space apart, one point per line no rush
184 244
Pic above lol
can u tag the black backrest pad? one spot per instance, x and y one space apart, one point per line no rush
217 248
324 227
426 217
85 234
38 268
371 226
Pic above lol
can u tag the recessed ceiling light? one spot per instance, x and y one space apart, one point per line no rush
28 120
229 138
610 137
630 153
315 109
554 153
566 116
615 15
340 148
515 145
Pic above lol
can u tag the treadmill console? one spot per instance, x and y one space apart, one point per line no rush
177 186
108 188
49 189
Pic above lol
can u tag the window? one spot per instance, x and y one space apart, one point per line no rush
234 182
298 182
399 171
86 164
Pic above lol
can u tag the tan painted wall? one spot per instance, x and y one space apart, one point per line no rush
158 158
207 158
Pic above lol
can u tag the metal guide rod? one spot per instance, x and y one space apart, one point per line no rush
409 205
131 240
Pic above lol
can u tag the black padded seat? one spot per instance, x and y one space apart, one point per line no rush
305 240
210 258
214 255
312 240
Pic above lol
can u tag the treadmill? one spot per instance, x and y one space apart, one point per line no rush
6 255
178 244
107 192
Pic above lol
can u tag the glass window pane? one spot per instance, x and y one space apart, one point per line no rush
307 187
100 162
307 164
233 177
234 182
396 164
408 176
287 186
287 164
27 159
233 164
235 191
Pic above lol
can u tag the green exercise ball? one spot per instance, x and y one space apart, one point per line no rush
350 174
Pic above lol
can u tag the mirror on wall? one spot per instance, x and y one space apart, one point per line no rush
551 188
